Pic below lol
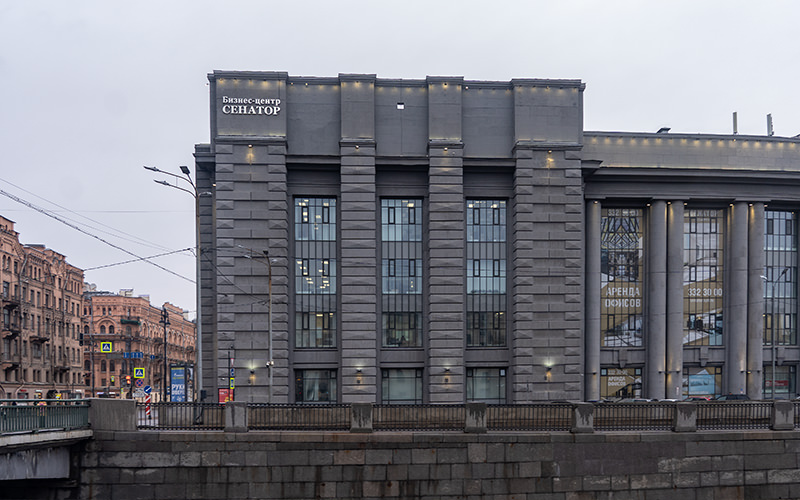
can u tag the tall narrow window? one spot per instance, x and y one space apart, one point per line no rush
315 272
780 278
401 273
486 273
702 277
621 258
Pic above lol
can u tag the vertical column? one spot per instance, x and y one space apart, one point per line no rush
446 243
358 241
593 306
205 178
735 326
755 301
674 299
525 374
656 340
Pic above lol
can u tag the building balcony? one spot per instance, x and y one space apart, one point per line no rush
11 330
10 361
62 366
39 337
10 301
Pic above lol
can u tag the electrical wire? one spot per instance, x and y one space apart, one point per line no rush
81 230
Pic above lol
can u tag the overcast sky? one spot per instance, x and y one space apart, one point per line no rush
93 90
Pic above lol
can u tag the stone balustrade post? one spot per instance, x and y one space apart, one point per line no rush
782 416
235 416
361 417
583 418
475 418
106 414
685 417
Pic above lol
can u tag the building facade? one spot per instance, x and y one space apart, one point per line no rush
445 240
125 337
41 303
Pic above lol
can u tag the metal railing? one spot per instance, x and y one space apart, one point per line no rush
318 417
535 417
418 417
529 417
647 416
180 416
37 415
734 415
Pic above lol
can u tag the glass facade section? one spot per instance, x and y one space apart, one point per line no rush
782 385
486 257
622 383
401 272
315 272
780 278
702 276
703 381
487 385
315 386
622 257
401 386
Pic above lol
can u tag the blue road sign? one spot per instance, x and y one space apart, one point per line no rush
148 389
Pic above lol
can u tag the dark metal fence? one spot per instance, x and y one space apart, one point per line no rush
647 416
529 417
43 414
308 417
418 417
541 417
177 416
734 415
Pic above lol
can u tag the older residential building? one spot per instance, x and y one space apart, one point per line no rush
124 336
41 303
445 240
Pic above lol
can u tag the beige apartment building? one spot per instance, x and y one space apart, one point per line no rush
42 299
124 338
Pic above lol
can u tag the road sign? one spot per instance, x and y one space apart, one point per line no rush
148 389
139 382
106 346
138 393
138 373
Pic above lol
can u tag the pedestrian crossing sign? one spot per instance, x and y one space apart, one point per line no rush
138 373
106 346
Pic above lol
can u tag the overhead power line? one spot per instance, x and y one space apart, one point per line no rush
139 259
81 230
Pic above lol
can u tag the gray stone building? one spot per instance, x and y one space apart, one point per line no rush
445 240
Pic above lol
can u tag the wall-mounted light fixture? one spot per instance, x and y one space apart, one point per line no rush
548 373
447 375
358 375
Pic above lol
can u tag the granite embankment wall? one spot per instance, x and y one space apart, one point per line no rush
283 465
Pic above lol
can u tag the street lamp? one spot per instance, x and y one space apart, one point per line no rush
198 385
772 324
164 321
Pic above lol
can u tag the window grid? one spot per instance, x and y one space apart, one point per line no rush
486 251
315 272
487 385
401 273
702 277
780 278
315 386
622 257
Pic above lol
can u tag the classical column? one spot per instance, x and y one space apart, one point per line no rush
674 299
656 280
592 293
735 325
755 302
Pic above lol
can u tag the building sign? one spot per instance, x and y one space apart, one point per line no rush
250 106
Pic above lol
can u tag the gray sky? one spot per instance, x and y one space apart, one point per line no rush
93 90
